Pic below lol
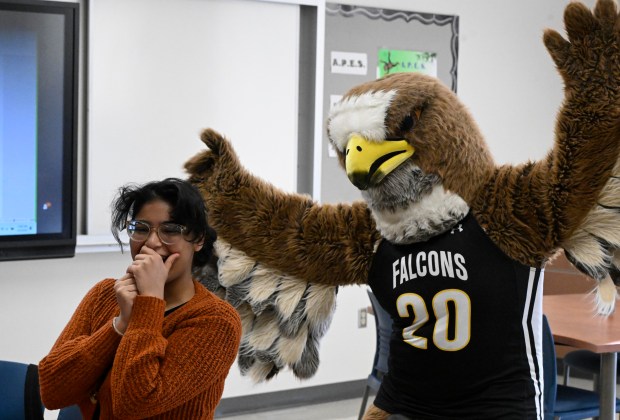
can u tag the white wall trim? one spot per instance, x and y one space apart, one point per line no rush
87 244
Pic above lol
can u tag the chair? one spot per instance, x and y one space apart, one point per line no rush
586 361
383 325
563 401
70 413
19 391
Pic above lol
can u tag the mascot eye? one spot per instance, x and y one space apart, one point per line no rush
407 123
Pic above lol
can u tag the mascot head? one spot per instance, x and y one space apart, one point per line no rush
413 149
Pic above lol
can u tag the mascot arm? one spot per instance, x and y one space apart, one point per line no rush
326 244
539 207
588 125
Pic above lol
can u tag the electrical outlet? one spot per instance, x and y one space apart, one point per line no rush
362 315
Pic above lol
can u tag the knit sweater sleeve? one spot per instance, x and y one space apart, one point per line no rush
81 356
153 374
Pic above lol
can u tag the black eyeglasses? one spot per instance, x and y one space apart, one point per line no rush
168 233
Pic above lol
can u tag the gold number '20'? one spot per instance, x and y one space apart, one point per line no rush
461 314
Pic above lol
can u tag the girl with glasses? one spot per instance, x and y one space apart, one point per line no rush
153 343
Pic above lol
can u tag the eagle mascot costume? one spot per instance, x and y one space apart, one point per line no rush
452 245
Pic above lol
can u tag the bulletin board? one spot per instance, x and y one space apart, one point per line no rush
364 43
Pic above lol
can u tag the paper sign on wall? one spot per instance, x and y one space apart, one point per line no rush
349 63
400 61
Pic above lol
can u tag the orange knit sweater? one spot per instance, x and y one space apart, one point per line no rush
170 367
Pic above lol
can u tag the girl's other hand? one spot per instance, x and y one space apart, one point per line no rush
126 291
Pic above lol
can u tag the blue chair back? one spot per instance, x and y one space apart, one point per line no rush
20 397
70 413
563 401
384 333
585 361
383 326
550 368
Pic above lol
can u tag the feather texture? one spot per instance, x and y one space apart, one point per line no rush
594 247
283 318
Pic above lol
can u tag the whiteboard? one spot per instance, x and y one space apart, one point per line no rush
162 70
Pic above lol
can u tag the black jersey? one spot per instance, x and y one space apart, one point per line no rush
467 328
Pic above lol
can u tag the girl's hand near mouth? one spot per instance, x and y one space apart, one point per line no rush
150 271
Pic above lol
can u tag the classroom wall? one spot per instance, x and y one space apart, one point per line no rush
161 71
504 76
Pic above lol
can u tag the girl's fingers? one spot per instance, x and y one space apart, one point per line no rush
168 263
125 277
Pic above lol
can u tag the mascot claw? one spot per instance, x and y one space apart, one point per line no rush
213 140
220 158
592 44
220 147
606 297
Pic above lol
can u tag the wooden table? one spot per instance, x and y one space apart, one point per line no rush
574 322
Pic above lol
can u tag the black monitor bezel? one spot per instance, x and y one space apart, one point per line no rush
63 244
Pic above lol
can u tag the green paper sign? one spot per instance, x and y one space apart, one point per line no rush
400 61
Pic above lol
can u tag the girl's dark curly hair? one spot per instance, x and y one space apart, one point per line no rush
186 202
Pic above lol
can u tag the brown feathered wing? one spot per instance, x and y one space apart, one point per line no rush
280 259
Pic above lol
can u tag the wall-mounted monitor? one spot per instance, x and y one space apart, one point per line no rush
38 128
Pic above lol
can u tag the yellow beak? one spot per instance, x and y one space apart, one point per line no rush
368 162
